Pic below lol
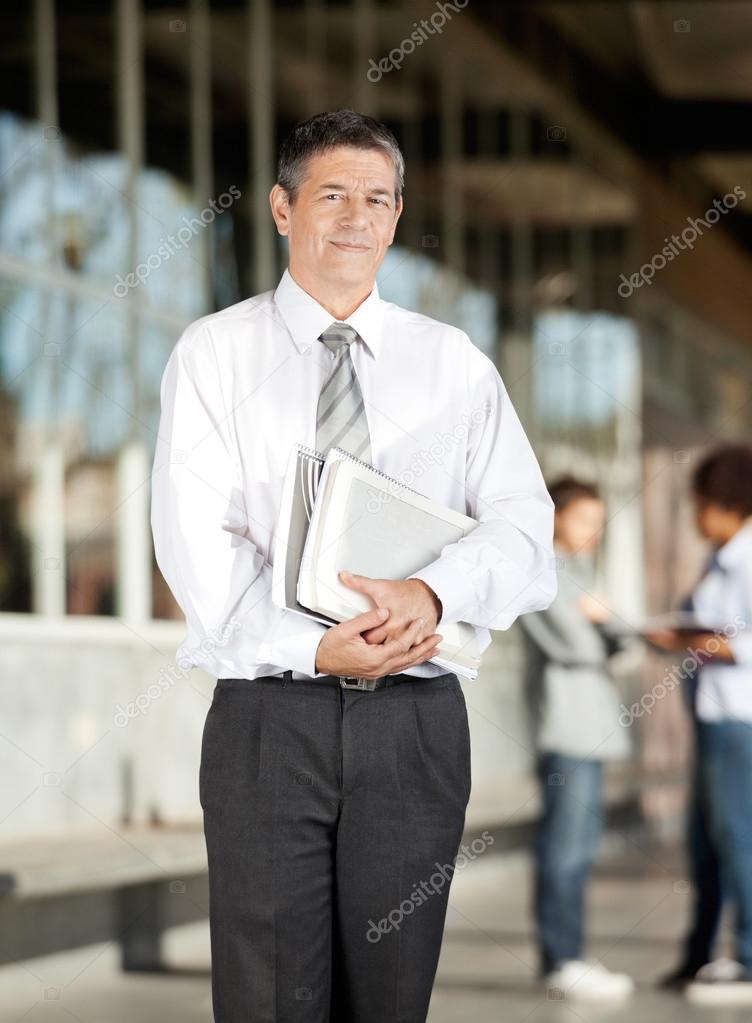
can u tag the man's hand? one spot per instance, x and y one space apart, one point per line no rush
665 639
406 600
594 607
714 646
343 650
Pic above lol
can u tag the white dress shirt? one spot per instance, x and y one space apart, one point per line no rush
241 387
723 598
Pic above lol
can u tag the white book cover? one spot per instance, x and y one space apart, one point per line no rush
370 524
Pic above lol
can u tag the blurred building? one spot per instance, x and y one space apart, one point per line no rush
555 152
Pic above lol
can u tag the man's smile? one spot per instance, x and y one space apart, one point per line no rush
351 247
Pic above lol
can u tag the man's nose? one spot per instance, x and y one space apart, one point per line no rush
355 215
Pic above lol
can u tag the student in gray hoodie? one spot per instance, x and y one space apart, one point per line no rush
575 709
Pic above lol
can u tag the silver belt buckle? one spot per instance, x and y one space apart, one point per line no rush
354 682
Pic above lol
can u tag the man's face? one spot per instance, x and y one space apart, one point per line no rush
343 218
579 526
714 522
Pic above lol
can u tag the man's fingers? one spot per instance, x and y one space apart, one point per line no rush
424 651
398 646
382 633
410 636
403 656
368 620
395 653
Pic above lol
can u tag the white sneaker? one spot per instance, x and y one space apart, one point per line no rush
722 982
587 980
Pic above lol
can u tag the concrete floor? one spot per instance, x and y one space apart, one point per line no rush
638 904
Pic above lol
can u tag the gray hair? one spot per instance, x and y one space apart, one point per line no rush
328 130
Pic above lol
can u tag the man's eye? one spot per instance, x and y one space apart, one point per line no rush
332 195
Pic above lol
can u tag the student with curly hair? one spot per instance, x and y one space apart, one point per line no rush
722 495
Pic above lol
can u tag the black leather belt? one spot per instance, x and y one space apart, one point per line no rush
363 685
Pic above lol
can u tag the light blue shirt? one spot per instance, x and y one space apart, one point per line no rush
723 598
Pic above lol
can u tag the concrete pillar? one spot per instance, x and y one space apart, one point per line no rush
262 145
315 43
132 537
48 532
517 349
201 135
364 92
133 556
453 239
48 483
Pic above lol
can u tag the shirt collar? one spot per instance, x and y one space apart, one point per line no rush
307 320
737 548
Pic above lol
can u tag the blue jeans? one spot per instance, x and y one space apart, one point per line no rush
565 848
724 751
706 881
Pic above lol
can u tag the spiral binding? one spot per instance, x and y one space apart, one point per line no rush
312 453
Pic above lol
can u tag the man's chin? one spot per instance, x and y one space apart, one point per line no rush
352 268
352 257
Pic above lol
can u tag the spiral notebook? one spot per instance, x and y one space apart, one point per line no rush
340 512
298 498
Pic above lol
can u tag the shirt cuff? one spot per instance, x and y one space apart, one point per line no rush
296 652
452 586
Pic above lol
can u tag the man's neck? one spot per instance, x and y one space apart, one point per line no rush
732 531
339 300
562 546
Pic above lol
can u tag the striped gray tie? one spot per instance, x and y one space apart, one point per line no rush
341 419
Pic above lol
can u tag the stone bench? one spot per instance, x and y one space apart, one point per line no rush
126 885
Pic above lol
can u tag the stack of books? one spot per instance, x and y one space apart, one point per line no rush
338 512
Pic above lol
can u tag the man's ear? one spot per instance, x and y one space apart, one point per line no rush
280 204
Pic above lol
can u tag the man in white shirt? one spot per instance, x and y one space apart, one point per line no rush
335 767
